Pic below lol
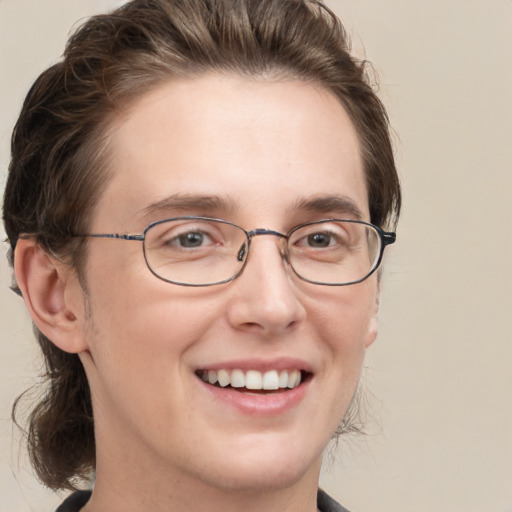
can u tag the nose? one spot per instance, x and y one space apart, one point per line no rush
265 297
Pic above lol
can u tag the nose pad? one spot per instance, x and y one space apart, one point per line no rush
242 252
284 252
244 248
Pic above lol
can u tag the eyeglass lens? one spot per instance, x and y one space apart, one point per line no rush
201 252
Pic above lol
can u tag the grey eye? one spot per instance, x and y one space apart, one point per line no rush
192 239
319 240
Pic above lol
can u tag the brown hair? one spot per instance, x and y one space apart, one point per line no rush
60 159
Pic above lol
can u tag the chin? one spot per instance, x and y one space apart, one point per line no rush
260 479
268 466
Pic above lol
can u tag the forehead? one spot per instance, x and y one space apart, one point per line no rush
262 146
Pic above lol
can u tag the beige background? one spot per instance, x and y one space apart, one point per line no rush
439 376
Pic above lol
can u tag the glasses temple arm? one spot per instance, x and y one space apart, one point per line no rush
388 238
116 236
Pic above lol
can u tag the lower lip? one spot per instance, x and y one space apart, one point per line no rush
259 404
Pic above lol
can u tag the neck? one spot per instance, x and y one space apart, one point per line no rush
172 494
129 482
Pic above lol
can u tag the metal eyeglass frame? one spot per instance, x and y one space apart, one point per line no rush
386 238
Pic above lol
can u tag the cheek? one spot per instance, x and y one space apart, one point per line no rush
344 320
346 327
347 319
133 307
151 324
141 346
141 329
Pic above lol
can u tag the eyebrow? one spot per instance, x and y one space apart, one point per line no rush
331 204
178 203
188 202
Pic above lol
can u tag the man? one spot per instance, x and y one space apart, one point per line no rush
195 205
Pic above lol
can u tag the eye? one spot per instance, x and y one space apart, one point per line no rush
319 240
185 235
325 236
191 239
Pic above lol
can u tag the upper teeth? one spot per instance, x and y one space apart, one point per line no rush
253 379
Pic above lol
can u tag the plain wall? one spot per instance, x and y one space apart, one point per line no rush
439 377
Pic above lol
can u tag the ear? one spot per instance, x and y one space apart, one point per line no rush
373 324
53 295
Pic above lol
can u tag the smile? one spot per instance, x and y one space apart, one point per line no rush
253 379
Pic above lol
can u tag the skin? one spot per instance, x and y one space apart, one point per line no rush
163 443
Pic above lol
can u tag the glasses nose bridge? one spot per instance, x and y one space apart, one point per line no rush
265 232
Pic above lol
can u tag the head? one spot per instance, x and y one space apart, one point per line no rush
66 151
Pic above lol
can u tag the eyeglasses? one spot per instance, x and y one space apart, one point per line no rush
203 251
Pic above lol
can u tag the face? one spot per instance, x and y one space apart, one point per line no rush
262 154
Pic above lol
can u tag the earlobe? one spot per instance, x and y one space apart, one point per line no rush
51 292
372 326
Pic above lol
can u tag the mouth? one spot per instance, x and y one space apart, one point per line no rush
255 381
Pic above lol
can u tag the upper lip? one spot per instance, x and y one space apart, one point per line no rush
262 365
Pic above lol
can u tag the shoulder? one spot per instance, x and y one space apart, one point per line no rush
75 502
327 504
